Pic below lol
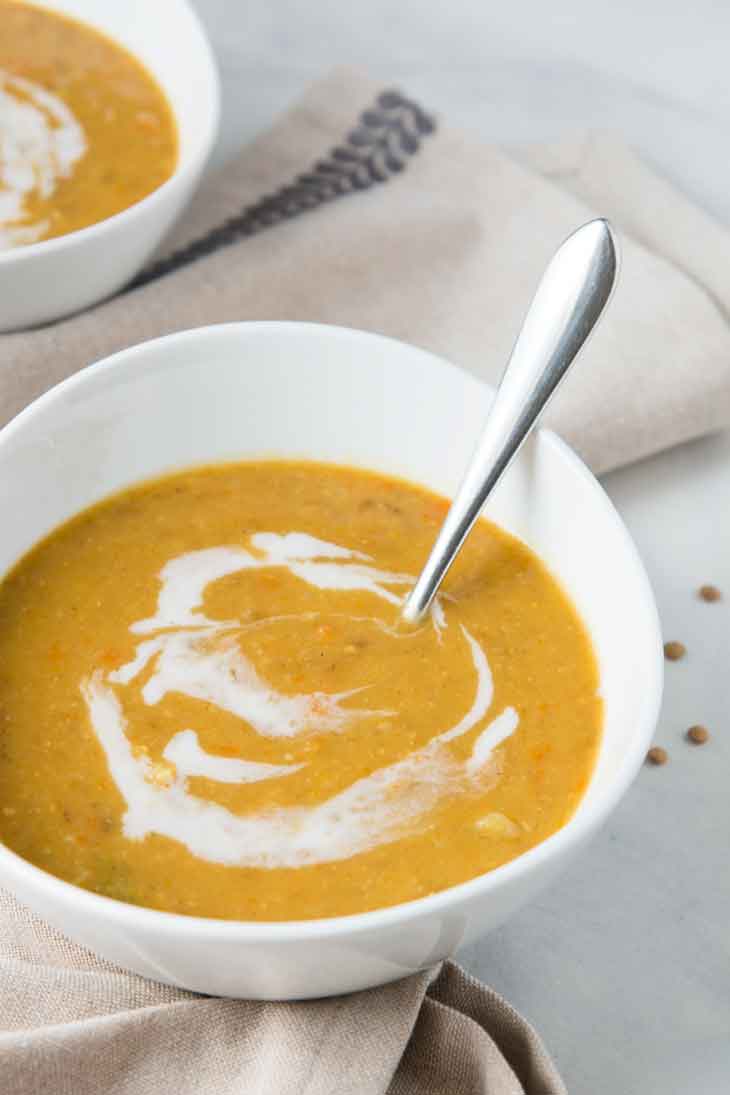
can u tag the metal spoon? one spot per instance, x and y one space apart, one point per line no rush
568 303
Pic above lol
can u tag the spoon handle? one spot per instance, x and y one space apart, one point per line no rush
569 300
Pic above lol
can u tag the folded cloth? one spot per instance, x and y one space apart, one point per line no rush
72 1024
439 240
358 208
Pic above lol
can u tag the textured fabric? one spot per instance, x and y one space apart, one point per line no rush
424 234
72 1024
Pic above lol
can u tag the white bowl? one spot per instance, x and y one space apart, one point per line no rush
253 390
55 277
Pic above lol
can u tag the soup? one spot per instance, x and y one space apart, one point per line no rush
209 704
85 130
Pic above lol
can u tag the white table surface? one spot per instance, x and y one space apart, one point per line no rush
624 966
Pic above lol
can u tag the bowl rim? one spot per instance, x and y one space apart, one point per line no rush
569 836
181 172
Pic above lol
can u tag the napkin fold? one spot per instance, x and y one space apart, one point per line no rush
359 208
73 1024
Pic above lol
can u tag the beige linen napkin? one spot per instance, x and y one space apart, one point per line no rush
71 1024
439 240
357 208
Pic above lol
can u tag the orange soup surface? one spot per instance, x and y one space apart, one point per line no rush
209 705
85 129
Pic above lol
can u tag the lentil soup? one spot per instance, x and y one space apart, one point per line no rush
85 130
209 705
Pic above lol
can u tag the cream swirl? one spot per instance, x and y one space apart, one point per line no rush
40 143
200 658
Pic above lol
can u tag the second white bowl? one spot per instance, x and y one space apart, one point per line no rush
47 280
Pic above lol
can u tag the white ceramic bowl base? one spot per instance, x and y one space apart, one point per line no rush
53 278
256 390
